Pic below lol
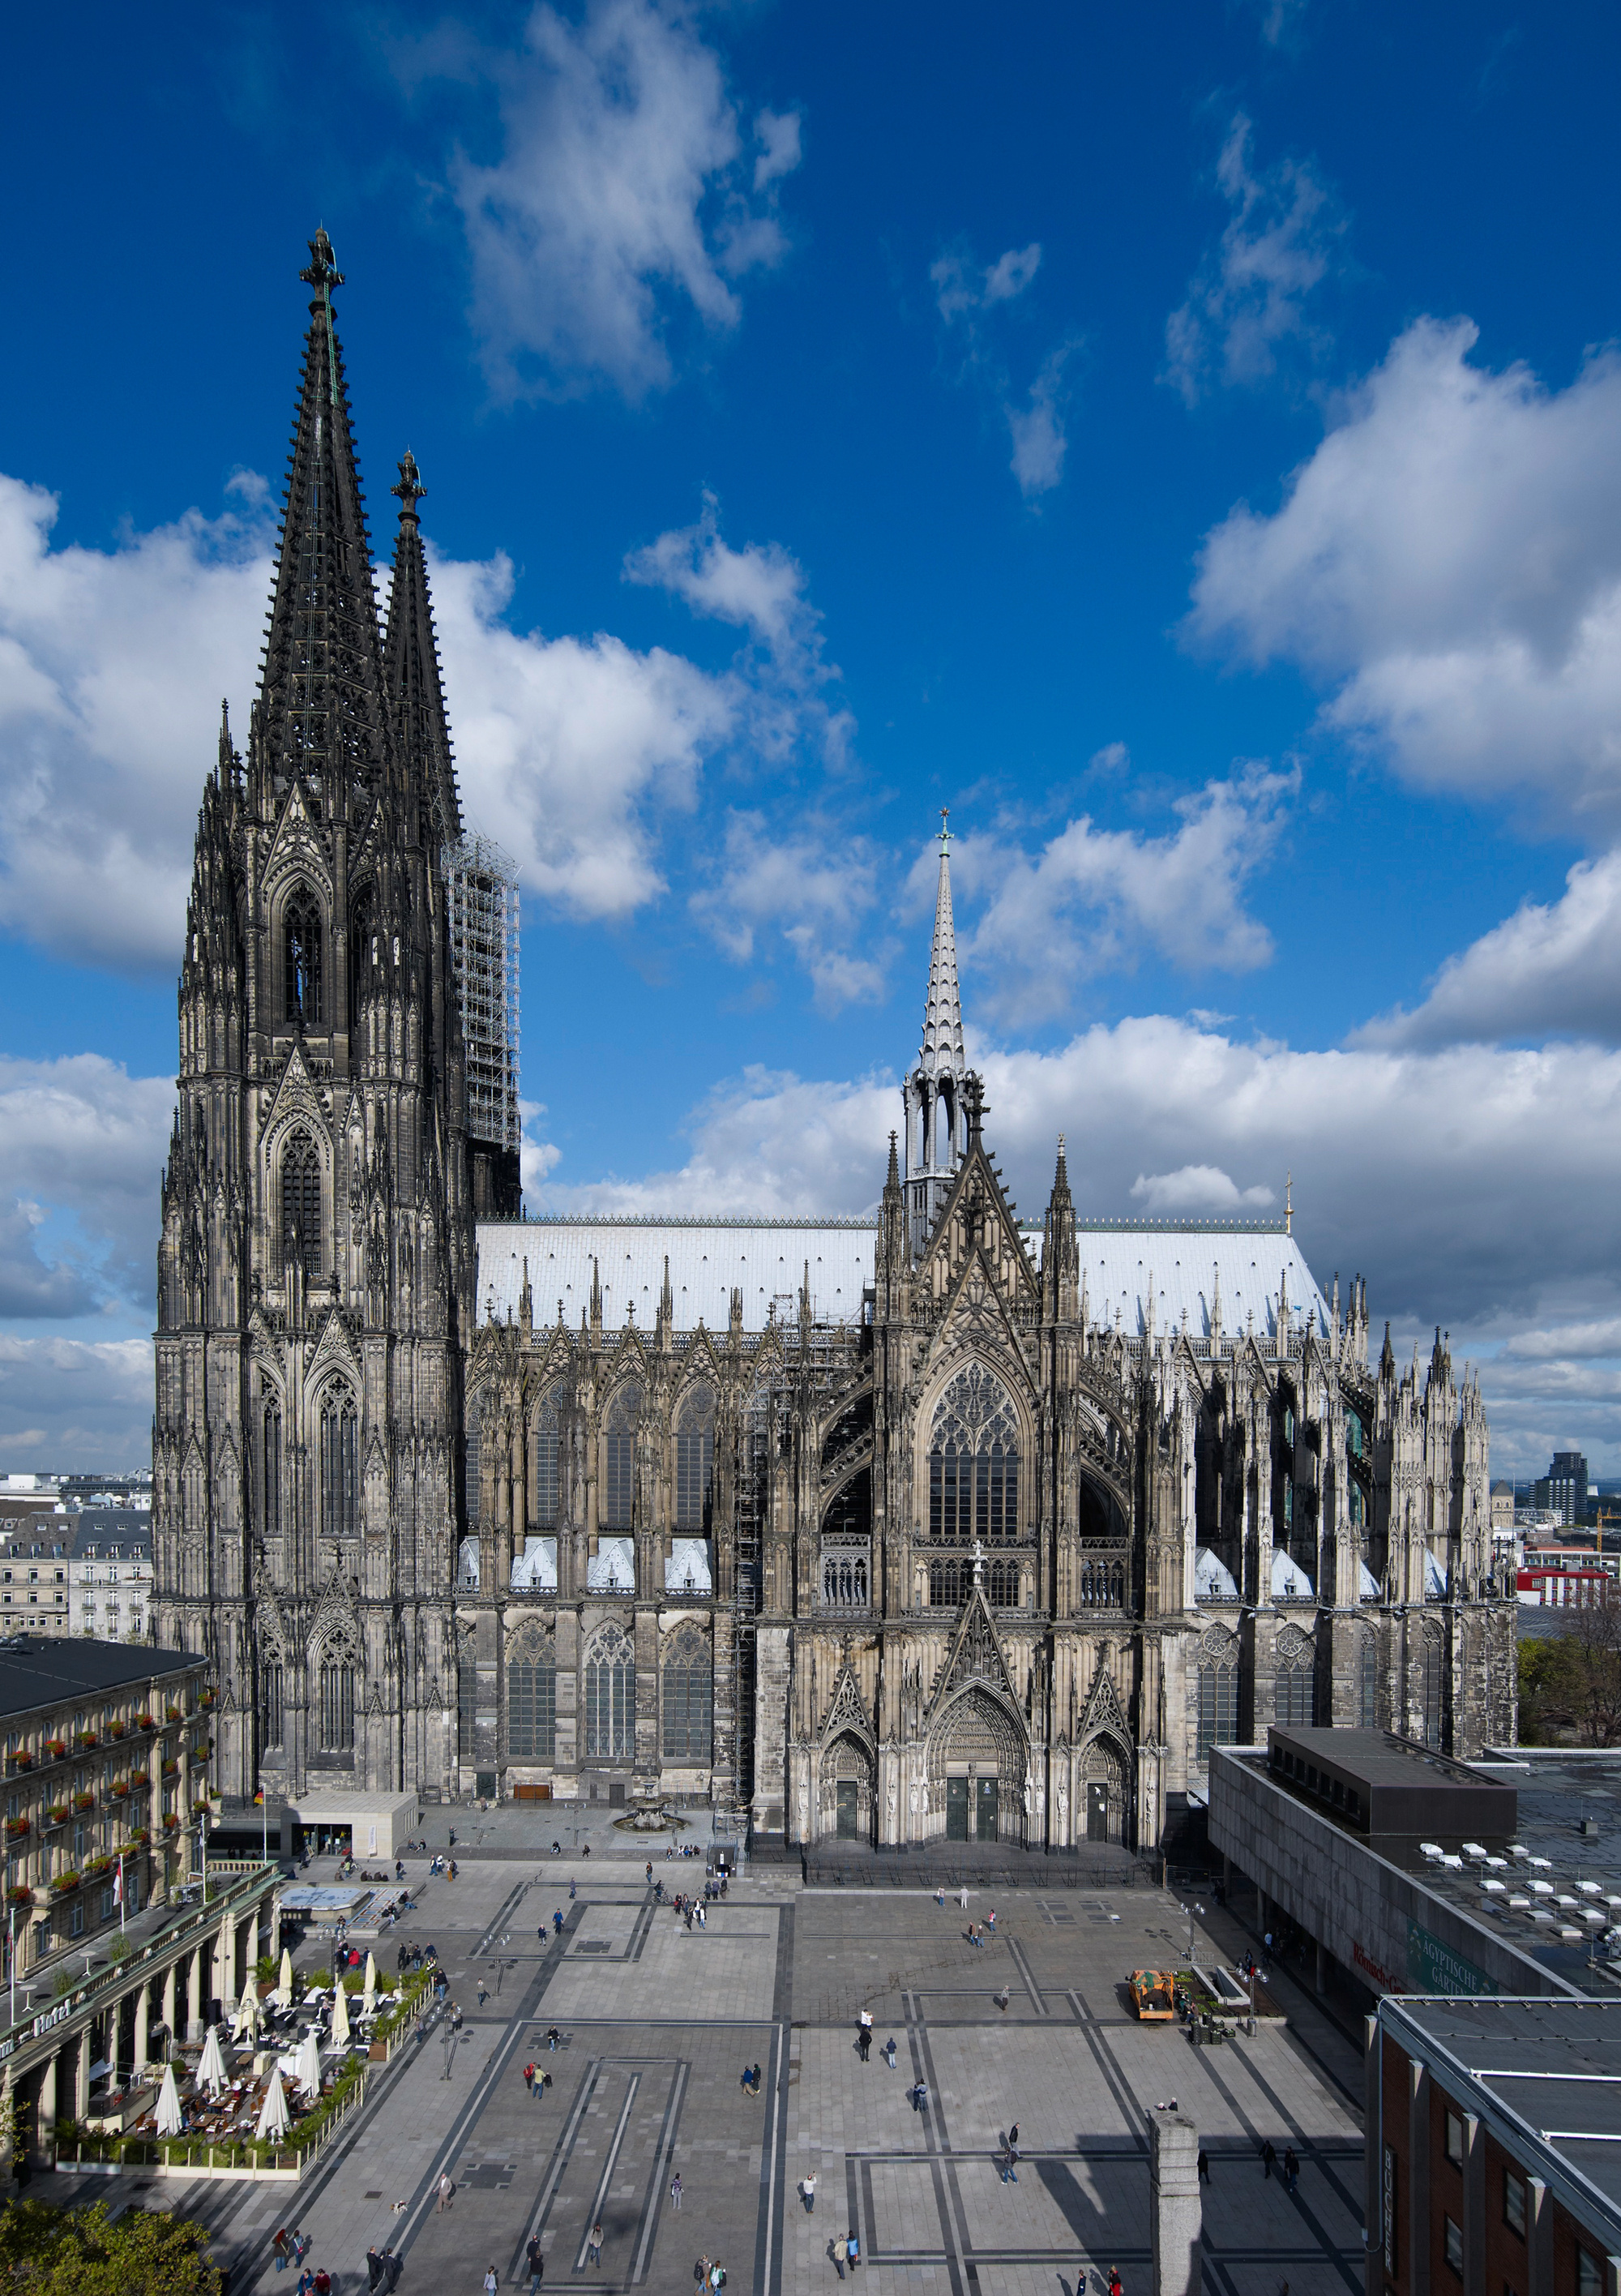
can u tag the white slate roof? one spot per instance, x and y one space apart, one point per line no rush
765 1260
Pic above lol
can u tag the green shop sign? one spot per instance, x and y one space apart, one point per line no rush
1433 1967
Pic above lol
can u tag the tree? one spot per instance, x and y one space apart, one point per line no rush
50 2252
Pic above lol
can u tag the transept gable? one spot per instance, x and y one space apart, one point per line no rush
1102 1713
976 1656
976 1317
847 1709
334 1350
296 1095
296 849
336 1620
978 1217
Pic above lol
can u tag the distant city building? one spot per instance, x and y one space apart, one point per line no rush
110 1574
1563 1489
1503 1506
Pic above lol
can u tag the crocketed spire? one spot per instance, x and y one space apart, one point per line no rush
411 668
322 710
942 1053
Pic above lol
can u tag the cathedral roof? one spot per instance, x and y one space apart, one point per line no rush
765 1260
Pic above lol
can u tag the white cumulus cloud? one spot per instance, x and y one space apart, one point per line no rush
1448 563
627 202
1249 296
814 885
966 293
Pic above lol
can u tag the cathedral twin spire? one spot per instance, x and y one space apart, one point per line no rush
942 1051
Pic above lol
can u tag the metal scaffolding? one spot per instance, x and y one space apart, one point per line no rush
482 886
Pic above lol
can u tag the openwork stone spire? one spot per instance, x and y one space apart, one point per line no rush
942 1053
411 668
321 713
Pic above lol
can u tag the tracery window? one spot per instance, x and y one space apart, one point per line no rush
844 1579
1002 1585
689 1698
361 932
301 1204
973 1462
695 1461
1429 1690
1367 1684
620 1462
1218 1705
531 1702
1101 1585
301 944
546 1451
337 1706
472 1456
948 1584
1295 1698
611 1698
271 1473
467 1697
340 1464
270 1702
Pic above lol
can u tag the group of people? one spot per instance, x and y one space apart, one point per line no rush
537 2082
383 2269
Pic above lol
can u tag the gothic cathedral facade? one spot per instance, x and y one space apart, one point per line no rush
880 1530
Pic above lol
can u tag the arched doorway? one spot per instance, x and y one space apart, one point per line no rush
1102 1785
849 1804
977 1764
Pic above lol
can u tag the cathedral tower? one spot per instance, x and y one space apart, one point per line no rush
316 1268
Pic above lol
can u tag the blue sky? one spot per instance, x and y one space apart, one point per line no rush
1187 444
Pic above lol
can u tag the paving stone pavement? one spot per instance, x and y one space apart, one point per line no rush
659 2023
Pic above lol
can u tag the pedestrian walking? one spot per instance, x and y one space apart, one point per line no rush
1268 2155
865 2044
965 1897
593 2246
841 2249
1291 2169
447 2192
534 2259
852 2248
490 2282
990 1921
807 2188
675 2192
1013 2135
392 2267
1115 2287
889 2052
483 1995
528 2076
373 2267
1204 2166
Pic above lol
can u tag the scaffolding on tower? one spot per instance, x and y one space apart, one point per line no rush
482 887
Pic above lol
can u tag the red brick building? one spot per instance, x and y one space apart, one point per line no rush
1494 2162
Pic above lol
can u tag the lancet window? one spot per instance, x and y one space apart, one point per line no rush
619 1461
695 1461
340 1464
973 1463
545 1441
301 1204
689 1698
531 1700
301 945
337 1708
270 1484
610 1699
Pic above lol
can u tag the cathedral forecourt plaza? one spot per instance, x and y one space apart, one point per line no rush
941 1534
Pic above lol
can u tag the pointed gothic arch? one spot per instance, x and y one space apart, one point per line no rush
617 1505
847 1795
545 1457
531 1692
975 1440
979 1767
609 1679
686 1684
339 1462
695 1459
299 1188
302 939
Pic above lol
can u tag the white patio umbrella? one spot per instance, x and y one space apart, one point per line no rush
283 1991
309 2064
169 2123
273 2113
368 1998
340 2018
211 2066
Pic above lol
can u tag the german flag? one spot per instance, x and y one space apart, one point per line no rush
259 1797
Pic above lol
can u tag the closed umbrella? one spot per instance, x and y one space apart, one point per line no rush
309 2063
369 1992
248 2013
169 2122
340 2018
283 1991
273 2113
211 2068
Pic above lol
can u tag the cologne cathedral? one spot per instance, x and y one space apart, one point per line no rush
943 1523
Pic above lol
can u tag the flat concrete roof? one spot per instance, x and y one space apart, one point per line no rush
1549 2069
45 1670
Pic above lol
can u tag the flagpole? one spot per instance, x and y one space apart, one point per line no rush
123 1909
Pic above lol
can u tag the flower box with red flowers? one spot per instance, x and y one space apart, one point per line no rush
122 1790
21 1761
86 1741
15 1828
143 1721
170 1822
172 1714
56 1748
116 1731
140 1836
57 1815
64 1885
83 1801
140 1778
19 1894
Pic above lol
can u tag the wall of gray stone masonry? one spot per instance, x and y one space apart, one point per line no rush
1362 1908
